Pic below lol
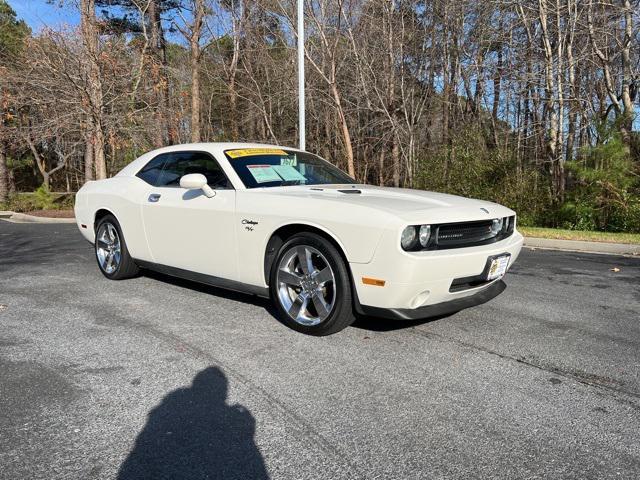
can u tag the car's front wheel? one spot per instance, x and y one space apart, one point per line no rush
310 286
111 250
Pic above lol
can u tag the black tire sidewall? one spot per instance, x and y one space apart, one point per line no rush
342 314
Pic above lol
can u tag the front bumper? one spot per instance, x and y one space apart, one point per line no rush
415 281
437 310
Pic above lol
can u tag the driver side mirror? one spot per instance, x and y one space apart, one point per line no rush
197 181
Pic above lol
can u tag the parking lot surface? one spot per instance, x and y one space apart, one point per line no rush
160 378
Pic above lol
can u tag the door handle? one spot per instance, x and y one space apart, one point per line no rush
154 197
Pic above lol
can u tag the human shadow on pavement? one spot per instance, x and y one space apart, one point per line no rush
194 434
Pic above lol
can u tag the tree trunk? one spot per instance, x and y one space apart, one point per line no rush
4 175
497 78
194 46
98 152
477 96
90 39
395 155
233 109
392 101
552 143
344 128
164 133
560 92
158 133
571 132
39 161
88 156
627 103
381 178
233 70
446 100
573 86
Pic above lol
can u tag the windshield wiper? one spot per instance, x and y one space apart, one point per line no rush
288 183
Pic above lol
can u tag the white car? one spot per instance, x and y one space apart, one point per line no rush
285 224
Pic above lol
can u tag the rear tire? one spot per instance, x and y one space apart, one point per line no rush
111 250
310 286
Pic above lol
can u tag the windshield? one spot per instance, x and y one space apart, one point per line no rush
274 167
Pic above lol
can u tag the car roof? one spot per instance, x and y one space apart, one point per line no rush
214 148
218 146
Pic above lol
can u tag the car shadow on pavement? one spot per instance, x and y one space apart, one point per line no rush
374 324
194 434
211 290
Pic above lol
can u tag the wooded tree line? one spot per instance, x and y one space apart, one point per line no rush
531 103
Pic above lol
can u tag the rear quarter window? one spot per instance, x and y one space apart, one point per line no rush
150 173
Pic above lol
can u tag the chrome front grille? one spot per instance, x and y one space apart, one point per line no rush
457 234
469 234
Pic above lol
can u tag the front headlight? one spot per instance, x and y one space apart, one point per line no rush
409 237
425 234
496 225
414 234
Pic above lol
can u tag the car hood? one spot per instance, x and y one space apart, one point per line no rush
405 203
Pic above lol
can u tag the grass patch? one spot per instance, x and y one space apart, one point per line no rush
589 236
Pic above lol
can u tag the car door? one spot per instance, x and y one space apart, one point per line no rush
184 228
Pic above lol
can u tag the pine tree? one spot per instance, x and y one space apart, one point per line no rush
12 35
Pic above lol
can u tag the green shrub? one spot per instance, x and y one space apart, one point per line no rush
604 193
43 198
477 171
22 203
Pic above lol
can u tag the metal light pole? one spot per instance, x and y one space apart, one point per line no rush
301 125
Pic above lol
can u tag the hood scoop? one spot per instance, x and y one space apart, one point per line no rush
351 190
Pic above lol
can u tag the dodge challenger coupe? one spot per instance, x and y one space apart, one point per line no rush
285 224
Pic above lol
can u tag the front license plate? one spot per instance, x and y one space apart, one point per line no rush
498 267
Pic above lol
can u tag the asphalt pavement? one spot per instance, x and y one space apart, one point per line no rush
160 378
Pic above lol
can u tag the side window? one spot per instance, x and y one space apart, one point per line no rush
151 171
183 163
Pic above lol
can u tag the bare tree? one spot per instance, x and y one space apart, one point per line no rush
191 29
495 99
95 125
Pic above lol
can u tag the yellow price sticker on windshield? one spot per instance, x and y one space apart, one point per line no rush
248 152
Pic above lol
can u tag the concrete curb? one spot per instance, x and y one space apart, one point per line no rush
581 246
24 218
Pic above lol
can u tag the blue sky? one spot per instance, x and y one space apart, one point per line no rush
39 13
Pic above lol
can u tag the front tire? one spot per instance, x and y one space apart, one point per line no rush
310 286
111 250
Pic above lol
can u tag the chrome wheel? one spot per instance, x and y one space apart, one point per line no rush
108 248
306 285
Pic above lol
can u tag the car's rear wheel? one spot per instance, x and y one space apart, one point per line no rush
310 286
111 250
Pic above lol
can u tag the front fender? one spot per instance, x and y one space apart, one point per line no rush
352 230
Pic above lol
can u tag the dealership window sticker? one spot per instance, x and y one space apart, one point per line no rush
248 152
289 173
264 173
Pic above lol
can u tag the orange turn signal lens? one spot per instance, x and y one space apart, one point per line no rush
373 281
